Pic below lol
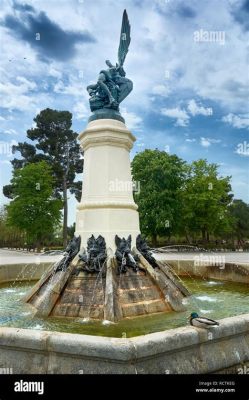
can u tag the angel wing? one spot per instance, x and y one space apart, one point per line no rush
125 39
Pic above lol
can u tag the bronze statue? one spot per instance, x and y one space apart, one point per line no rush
124 256
95 256
71 251
112 86
145 250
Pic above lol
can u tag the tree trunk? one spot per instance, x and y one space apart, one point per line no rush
154 240
65 214
38 245
187 237
203 232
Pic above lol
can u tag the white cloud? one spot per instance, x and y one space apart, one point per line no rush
74 88
55 72
237 121
10 132
27 84
161 90
181 116
132 120
80 110
206 142
17 96
5 162
190 140
195 109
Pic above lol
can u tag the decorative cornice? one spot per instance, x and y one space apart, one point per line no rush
106 132
102 140
107 204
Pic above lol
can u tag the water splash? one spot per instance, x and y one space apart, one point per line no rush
38 327
214 283
208 298
106 322
98 279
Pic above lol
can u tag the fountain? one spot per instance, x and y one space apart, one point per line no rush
108 282
108 244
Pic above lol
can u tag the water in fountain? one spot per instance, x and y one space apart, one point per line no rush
99 276
193 300
233 295
22 274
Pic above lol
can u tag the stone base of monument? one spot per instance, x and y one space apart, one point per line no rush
107 295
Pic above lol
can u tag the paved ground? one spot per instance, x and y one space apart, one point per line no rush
233 257
16 257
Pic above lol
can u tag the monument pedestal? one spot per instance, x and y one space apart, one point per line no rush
107 206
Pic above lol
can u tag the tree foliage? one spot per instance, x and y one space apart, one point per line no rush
205 198
161 177
55 143
180 199
10 236
239 212
33 208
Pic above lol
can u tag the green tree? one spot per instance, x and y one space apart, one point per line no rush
71 230
160 176
33 207
56 144
240 213
10 236
205 198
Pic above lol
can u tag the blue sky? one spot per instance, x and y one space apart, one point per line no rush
188 61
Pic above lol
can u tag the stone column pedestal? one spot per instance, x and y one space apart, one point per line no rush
107 206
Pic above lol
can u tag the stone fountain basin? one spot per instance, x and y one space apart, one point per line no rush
176 351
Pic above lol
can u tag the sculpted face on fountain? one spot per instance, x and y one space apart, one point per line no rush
71 251
95 256
145 250
124 256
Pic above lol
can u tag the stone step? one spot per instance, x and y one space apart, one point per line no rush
75 310
144 307
133 296
127 282
130 289
85 283
82 297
